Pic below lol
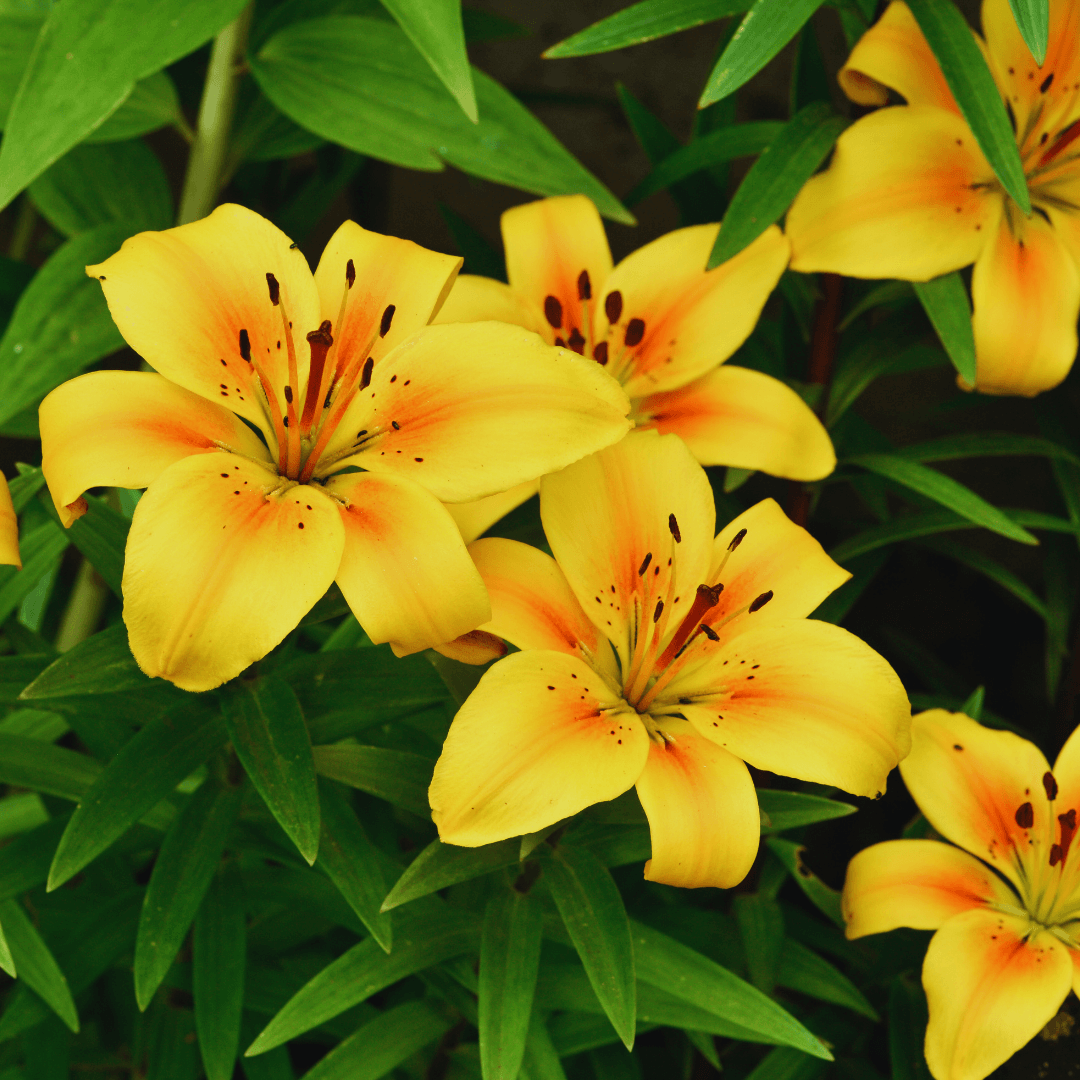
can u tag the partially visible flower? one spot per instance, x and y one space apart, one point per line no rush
1007 915
9 528
302 431
655 655
910 195
660 324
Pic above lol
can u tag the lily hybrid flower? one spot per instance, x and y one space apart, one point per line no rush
303 430
661 325
9 528
1007 915
653 654
910 195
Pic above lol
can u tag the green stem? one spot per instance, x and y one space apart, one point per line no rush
203 180
84 609
23 232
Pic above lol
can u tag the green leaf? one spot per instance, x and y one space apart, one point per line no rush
945 301
101 664
985 444
679 971
398 777
24 487
509 963
973 87
17 671
778 174
7 961
786 1064
592 911
360 82
24 863
973 707
790 809
351 862
217 978
644 21
88 58
19 28
261 133
420 941
95 185
907 1031
803 970
145 771
761 927
481 257
826 900
768 26
869 361
382 1044
152 104
943 489
541 1058
1033 22
52 770
440 865
101 535
436 29
724 144
61 323
271 740
35 963
40 551
182 873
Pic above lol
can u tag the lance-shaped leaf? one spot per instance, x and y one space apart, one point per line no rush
440 865
776 177
153 103
869 361
101 664
826 900
145 771
509 963
644 21
40 552
88 57
789 809
182 873
7 961
101 535
217 978
907 1031
397 776
768 26
271 740
946 303
761 927
964 67
1033 22
16 672
52 770
352 863
592 911
36 964
803 970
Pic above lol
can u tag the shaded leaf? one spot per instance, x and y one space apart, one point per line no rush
152 104
35 963
803 970
40 552
945 301
440 865
826 900
53 770
1033 21
395 775
761 927
789 809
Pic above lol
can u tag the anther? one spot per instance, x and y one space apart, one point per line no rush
737 539
584 285
387 319
1050 784
760 602
645 564
275 289
673 526
288 394
658 611
350 274
1045 84
635 331
613 306
576 342
1025 816
709 632
245 346
600 353
553 311
365 377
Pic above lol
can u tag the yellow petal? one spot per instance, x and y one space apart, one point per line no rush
471 409
902 198
223 560
475 518
532 605
1067 771
1026 294
123 428
990 989
389 274
480 299
549 245
970 782
916 883
735 416
609 516
182 297
800 698
404 570
702 810
540 738
692 318
9 529
476 647
894 54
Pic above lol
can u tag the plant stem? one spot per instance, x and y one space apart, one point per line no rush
85 606
204 170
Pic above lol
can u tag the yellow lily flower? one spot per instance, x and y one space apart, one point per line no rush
655 655
910 195
1007 915
366 419
9 528
660 324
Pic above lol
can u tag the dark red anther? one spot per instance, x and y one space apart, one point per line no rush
707 597
673 526
613 306
365 377
645 564
1025 816
1068 831
350 274
584 286
275 289
600 353
737 539
387 319
1045 84
709 632
635 331
553 311
1055 854
1050 784
288 394
577 342
245 346
760 601
658 611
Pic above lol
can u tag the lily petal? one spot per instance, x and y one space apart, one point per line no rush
223 560
990 988
1067 771
702 810
182 297
972 783
693 319
1026 294
609 522
549 244
9 529
475 518
391 275
916 883
404 569
800 698
481 299
472 409
540 738
532 605
124 428
894 54
735 416
898 199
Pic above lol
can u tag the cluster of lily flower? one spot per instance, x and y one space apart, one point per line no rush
366 423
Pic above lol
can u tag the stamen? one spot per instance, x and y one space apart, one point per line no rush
292 459
350 274
645 564
1068 830
1050 784
1045 84
760 602
658 611
1025 816
576 341
365 378
319 342
275 289
738 538
613 306
635 331
553 312
709 632
584 285
245 346
673 525
387 319
1061 143
600 353
708 596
